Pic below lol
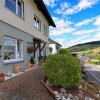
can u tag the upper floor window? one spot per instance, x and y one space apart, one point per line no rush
45 30
17 6
13 49
37 23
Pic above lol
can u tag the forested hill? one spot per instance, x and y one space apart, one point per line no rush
85 46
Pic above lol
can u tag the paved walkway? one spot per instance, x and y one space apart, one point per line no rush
25 87
94 73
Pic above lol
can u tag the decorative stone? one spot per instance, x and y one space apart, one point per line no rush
61 94
47 82
58 96
66 95
80 95
68 99
56 92
80 87
63 98
70 96
75 98
80 91
62 90
98 95
88 98
85 87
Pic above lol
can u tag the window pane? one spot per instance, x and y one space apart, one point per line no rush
34 22
9 49
11 4
20 8
19 49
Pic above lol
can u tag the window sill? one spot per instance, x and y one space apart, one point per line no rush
14 61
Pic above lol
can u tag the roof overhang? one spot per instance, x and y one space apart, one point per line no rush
54 42
41 6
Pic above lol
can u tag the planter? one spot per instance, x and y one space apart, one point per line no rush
16 68
27 66
33 65
2 76
50 91
30 49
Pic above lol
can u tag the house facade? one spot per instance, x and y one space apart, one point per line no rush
54 47
24 32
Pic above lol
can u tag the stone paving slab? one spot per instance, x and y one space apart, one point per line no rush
25 87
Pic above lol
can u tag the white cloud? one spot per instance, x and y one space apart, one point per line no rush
61 31
82 5
83 39
97 22
50 2
85 22
80 32
63 26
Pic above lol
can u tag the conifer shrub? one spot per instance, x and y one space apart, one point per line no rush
63 70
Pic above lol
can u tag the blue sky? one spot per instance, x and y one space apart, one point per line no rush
77 21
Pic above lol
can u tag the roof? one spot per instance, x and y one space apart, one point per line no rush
54 42
42 7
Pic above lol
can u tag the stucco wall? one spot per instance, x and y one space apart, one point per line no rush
7 30
26 25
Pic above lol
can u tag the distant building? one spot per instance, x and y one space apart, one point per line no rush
54 47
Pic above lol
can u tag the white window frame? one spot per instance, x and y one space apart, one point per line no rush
45 30
36 25
22 10
16 59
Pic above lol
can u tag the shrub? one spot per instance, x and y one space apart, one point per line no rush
32 60
63 51
63 70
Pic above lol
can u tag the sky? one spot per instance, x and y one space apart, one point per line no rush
77 21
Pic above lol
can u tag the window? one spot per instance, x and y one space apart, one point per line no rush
17 6
13 49
37 23
45 30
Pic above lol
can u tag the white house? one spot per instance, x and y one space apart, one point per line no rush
54 47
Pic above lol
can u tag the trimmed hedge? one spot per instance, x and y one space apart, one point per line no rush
63 70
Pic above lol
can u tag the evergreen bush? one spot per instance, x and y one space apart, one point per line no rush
63 70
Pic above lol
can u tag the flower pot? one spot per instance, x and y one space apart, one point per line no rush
33 65
16 68
2 76
27 66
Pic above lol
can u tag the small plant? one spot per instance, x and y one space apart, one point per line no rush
63 51
63 70
32 60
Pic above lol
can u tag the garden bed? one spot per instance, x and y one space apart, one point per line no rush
86 91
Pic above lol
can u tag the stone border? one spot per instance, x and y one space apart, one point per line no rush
51 93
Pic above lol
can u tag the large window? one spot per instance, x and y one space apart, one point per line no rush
17 6
45 30
37 23
13 49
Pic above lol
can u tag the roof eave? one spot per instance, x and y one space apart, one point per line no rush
41 6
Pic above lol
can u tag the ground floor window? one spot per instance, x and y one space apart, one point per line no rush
13 49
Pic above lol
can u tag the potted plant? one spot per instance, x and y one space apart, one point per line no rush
16 68
32 62
28 65
40 60
2 76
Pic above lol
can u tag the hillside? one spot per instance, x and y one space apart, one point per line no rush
85 46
